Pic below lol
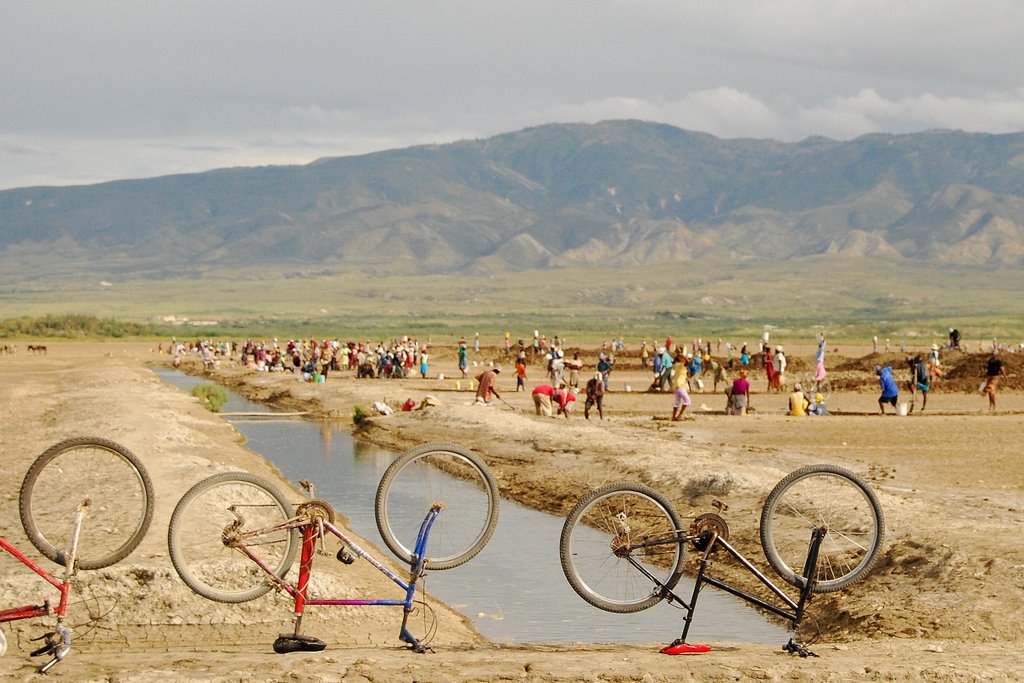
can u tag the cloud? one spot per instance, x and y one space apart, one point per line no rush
730 113
301 134
149 88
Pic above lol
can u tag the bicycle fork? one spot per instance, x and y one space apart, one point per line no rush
58 642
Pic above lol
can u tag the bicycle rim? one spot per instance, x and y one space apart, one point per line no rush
106 474
210 512
835 499
437 473
606 532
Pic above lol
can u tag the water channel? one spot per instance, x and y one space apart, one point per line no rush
514 591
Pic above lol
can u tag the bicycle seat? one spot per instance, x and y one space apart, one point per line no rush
291 643
680 648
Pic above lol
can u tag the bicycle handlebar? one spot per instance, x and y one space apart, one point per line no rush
58 647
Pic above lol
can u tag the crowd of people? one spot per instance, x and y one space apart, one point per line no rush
313 359
678 368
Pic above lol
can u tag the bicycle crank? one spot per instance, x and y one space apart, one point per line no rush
704 526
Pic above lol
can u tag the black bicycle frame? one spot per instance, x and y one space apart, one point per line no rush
794 609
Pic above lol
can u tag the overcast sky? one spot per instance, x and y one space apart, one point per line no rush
93 91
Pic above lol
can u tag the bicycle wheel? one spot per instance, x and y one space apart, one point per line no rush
812 386
609 530
231 505
825 389
452 476
111 477
822 496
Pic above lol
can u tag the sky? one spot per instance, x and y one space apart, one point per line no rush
94 91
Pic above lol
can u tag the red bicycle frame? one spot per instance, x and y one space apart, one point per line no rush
58 642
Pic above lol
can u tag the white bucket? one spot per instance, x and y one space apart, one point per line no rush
902 409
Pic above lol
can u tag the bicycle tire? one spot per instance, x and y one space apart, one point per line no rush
107 473
452 476
197 531
602 575
829 496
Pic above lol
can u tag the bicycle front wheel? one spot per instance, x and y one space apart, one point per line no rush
220 513
437 473
832 498
115 482
608 534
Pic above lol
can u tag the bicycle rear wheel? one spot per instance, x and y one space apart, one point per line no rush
822 496
226 507
67 473
437 473
610 529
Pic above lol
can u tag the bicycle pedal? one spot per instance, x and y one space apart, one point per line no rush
291 643
345 557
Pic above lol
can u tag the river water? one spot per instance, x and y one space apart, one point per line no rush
514 590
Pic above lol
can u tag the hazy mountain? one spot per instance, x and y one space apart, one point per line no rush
618 192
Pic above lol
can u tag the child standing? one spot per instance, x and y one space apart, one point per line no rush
521 373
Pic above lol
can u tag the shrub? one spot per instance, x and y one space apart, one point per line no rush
359 416
212 396
709 485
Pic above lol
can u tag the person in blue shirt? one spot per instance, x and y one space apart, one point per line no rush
604 366
890 392
919 379
663 363
693 367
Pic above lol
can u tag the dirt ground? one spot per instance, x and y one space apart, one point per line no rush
944 602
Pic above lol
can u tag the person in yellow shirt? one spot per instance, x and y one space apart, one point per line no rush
682 396
798 401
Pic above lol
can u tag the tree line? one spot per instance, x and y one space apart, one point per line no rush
72 326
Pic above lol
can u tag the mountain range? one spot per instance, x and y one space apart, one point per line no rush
610 194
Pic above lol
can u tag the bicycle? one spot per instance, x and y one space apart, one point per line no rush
233 537
821 530
95 472
812 386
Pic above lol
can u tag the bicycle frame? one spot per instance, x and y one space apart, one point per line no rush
312 533
793 610
58 642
